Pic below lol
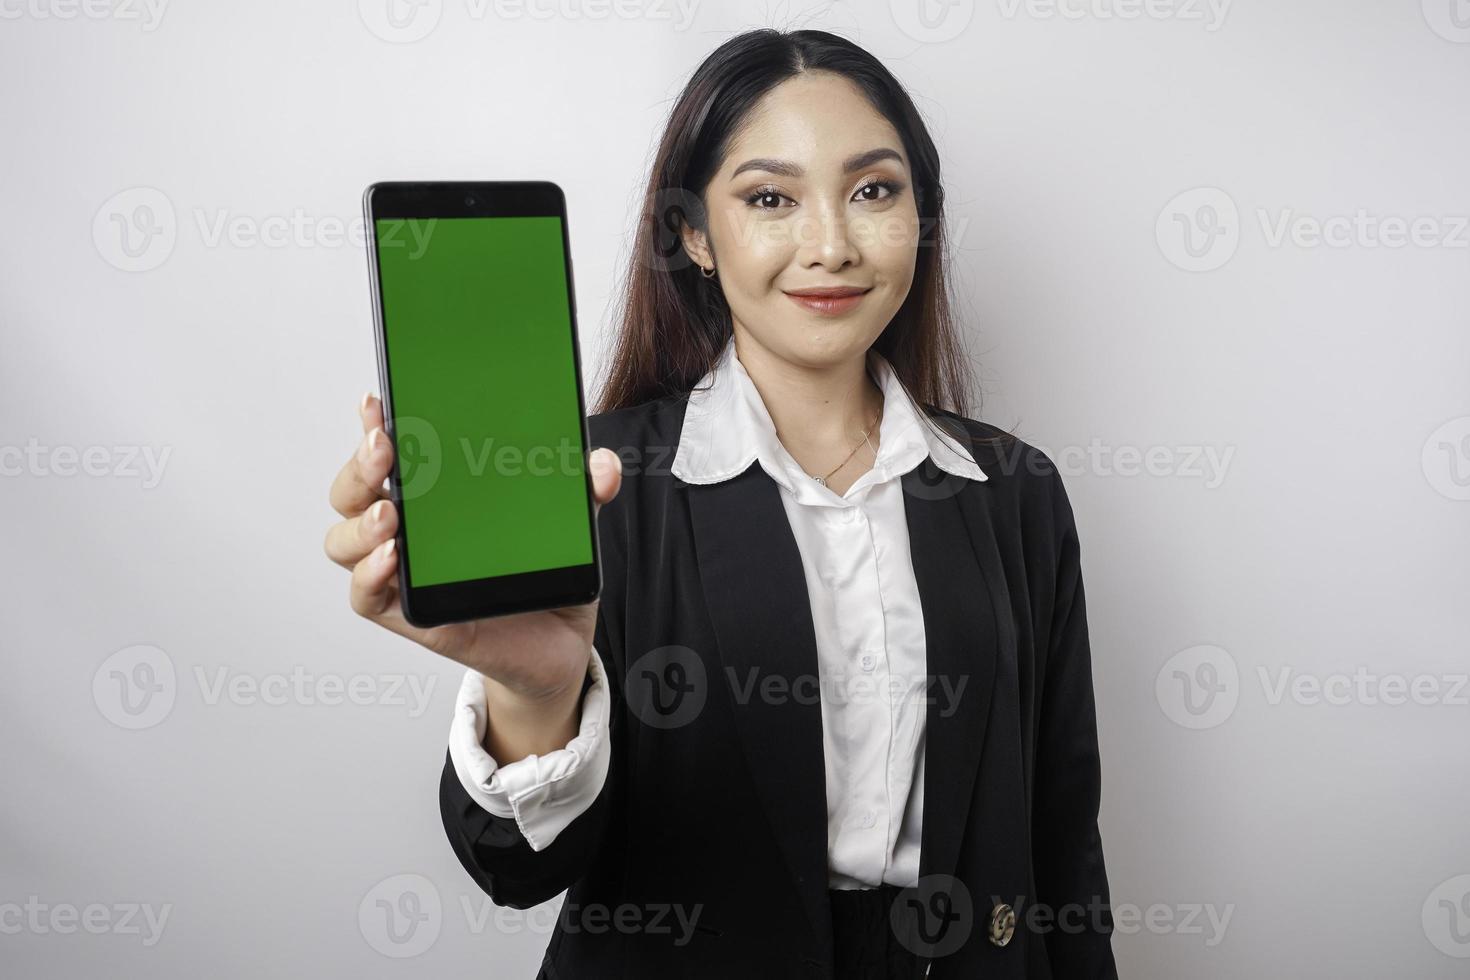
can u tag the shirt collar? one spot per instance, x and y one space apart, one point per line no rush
727 426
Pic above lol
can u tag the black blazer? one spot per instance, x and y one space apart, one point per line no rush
718 810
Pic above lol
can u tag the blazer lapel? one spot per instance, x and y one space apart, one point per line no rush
756 594
755 590
956 567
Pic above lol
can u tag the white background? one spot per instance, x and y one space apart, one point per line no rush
1331 383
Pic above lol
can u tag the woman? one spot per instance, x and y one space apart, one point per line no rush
833 713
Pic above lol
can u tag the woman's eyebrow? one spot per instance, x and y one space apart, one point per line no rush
785 168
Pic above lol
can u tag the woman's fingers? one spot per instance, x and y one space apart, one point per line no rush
371 410
373 591
357 493
365 541
348 542
359 483
373 594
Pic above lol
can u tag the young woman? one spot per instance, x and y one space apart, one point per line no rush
833 714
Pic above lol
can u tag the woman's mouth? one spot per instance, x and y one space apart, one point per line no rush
828 301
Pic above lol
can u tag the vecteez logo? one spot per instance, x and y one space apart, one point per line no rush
147 14
1450 19
138 687
401 916
1210 13
1445 917
667 687
932 21
1198 687
1446 459
36 917
1200 230
137 230
135 688
400 21
407 21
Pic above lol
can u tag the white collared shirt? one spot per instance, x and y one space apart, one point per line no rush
866 615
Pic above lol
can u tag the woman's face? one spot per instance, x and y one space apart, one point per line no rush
815 192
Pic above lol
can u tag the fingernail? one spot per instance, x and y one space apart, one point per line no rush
377 513
389 548
362 405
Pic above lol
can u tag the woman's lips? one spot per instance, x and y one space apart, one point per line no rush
830 303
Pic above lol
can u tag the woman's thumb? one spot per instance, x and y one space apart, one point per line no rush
607 475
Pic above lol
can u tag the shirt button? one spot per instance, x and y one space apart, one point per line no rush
869 818
867 662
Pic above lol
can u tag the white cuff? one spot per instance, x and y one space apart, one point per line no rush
544 793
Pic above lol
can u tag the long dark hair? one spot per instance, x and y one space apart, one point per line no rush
674 322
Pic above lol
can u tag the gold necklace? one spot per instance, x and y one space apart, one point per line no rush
823 479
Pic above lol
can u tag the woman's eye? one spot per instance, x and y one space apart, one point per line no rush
762 194
885 185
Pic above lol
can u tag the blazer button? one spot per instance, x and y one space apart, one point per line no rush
1002 924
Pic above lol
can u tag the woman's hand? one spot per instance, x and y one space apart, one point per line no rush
535 662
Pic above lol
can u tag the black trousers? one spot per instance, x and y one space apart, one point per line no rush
865 945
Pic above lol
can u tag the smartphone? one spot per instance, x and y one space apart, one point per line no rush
480 374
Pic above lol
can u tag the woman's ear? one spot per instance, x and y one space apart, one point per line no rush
696 246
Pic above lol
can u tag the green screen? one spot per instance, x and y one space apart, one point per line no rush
480 360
